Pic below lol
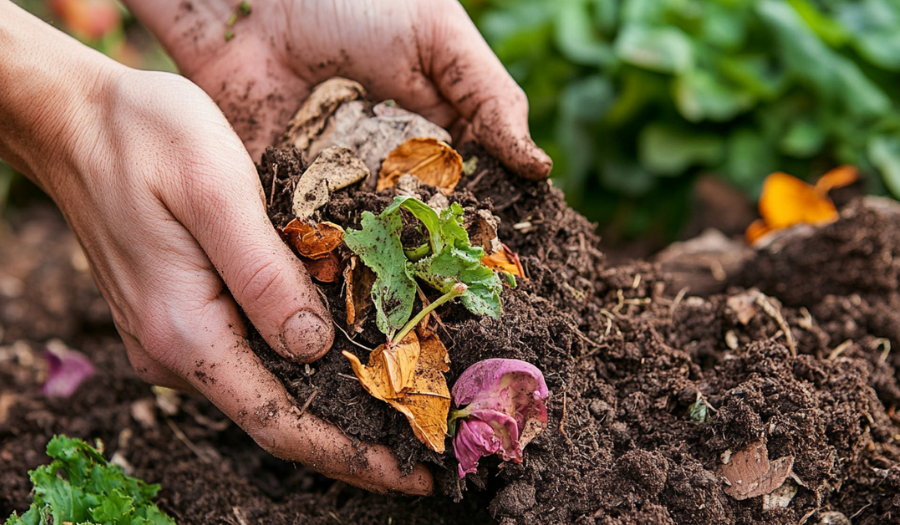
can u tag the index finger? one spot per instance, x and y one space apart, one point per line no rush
473 80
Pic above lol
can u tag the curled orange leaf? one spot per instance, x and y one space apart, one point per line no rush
433 162
326 269
787 200
505 260
426 402
837 178
313 242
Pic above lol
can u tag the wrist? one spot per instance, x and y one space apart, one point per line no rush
51 94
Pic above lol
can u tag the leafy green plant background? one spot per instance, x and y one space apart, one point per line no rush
634 98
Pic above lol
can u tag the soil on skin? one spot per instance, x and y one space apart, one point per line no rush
625 362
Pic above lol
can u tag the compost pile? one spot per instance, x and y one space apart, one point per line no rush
771 403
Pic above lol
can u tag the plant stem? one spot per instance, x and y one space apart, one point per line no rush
457 290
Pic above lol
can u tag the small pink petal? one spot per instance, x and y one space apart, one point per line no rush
67 369
474 439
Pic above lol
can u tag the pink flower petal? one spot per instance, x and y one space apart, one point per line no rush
508 396
67 369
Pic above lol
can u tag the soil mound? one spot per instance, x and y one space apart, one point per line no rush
771 403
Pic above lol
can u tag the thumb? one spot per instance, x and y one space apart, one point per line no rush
471 77
229 222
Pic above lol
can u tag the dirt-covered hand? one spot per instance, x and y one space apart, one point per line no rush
166 202
428 56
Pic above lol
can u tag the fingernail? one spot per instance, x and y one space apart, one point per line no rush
541 165
307 336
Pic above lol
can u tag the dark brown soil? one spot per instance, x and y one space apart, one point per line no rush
625 361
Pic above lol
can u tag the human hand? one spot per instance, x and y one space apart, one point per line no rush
160 193
428 56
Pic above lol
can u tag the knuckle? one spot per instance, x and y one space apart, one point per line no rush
260 282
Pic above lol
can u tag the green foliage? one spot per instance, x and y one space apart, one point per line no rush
81 487
632 98
448 260
378 245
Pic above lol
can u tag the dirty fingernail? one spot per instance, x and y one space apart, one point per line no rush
307 336
540 164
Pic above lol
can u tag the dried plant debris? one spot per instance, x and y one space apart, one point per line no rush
426 402
431 161
334 169
748 473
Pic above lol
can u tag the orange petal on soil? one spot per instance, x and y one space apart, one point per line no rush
837 178
787 200
433 162
757 230
313 242
359 279
425 404
505 260
325 270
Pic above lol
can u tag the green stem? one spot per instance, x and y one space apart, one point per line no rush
457 290
418 253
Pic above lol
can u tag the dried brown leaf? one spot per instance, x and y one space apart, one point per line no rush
433 162
750 473
325 270
313 242
426 403
360 279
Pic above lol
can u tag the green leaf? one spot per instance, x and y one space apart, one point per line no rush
666 150
576 38
884 154
699 96
454 259
378 245
661 49
803 139
80 486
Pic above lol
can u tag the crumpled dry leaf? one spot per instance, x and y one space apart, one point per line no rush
327 269
426 403
313 242
505 260
400 361
787 200
359 279
433 162
749 473
312 118
333 169
482 227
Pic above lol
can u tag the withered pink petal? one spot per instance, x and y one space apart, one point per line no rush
487 376
67 369
474 439
507 395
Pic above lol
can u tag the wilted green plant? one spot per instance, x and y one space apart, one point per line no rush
633 97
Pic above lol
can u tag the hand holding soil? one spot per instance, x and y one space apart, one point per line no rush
159 191
428 56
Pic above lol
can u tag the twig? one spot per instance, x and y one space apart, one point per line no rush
860 510
364 347
583 337
187 442
239 514
839 349
678 298
763 302
884 343
345 376
309 401
274 180
562 420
